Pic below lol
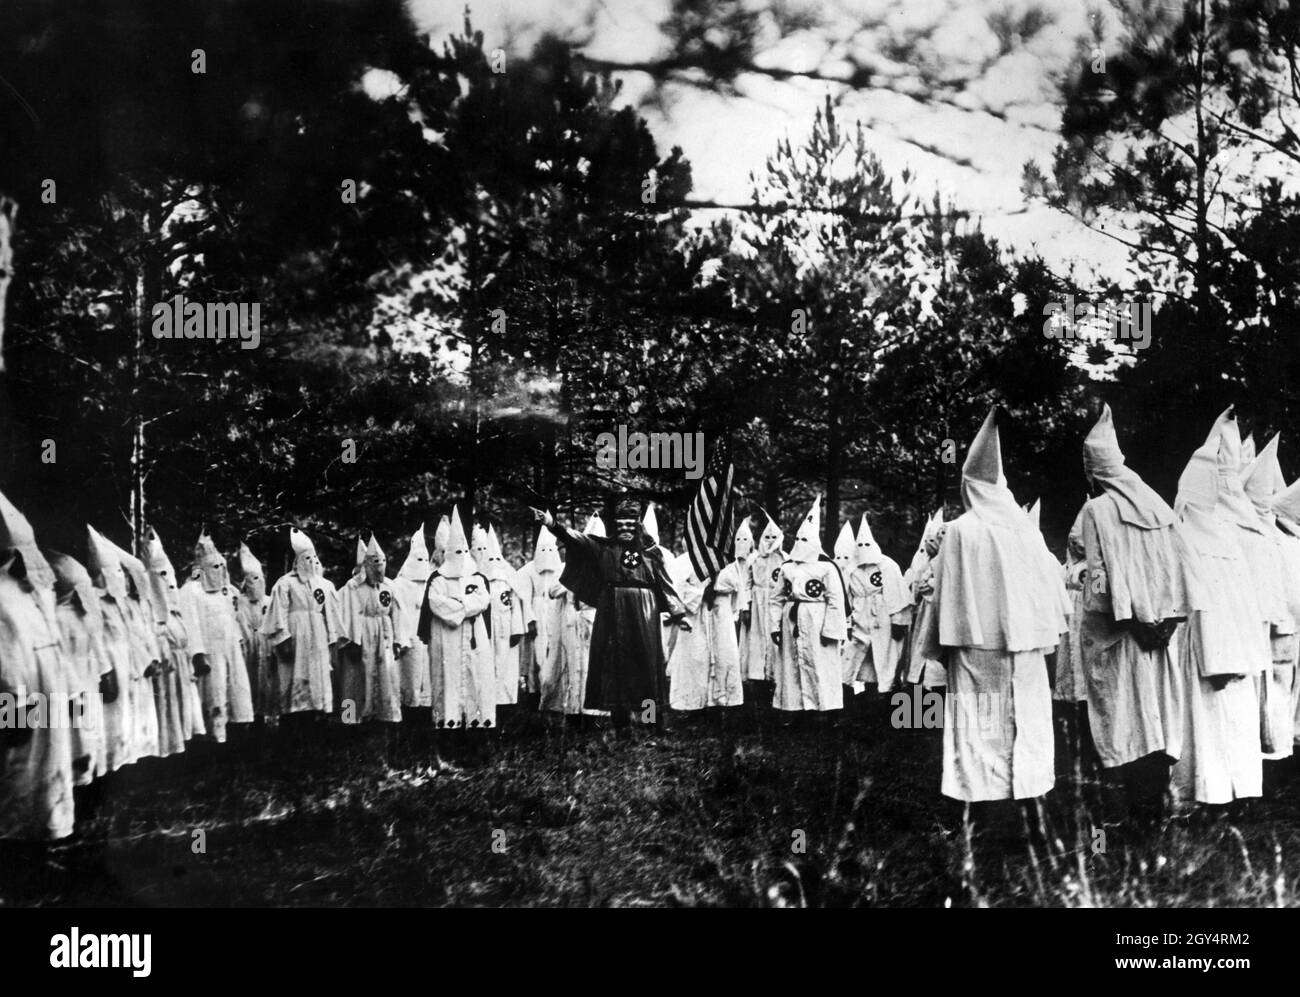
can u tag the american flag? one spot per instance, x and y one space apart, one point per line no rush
711 519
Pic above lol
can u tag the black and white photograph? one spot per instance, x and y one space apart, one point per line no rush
651 453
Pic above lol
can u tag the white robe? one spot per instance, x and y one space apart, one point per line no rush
1222 758
413 663
507 625
928 671
759 655
1000 611
463 675
81 639
1135 697
302 611
877 601
370 686
119 743
539 608
35 777
226 695
144 652
704 668
808 673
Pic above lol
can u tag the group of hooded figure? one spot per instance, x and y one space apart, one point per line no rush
1173 631
111 662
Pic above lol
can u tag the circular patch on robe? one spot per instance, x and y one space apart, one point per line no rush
473 723
224 590
776 574
319 596
505 597
631 559
487 723
385 598
451 723
813 588
877 580
471 587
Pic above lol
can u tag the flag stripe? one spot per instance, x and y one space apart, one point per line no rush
709 520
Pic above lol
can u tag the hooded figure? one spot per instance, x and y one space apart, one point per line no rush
999 601
478 545
146 654
564 677
704 666
37 688
210 600
743 547
110 586
251 606
807 622
918 583
845 549
440 537
370 686
1262 481
1223 647
508 623
81 638
455 621
408 586
1139 587
758 655
535 581
299 626
1070 685
176 694
629 584
879 614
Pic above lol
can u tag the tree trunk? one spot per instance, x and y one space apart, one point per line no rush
139 318
834 471
8 212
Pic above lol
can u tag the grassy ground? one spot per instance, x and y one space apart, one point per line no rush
706 813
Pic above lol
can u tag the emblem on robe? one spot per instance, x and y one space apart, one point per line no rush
776 574
385 598
631 559
505 597
814 589
471 588
876 580
319 596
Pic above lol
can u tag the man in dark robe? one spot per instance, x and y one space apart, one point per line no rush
627 581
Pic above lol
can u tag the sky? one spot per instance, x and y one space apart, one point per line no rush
972 158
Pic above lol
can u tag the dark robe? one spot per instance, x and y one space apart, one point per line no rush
629 587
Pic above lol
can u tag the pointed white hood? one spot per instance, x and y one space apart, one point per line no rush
845 549
771 539
546 554
807 538
744 542
458 563
866 550
416 566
